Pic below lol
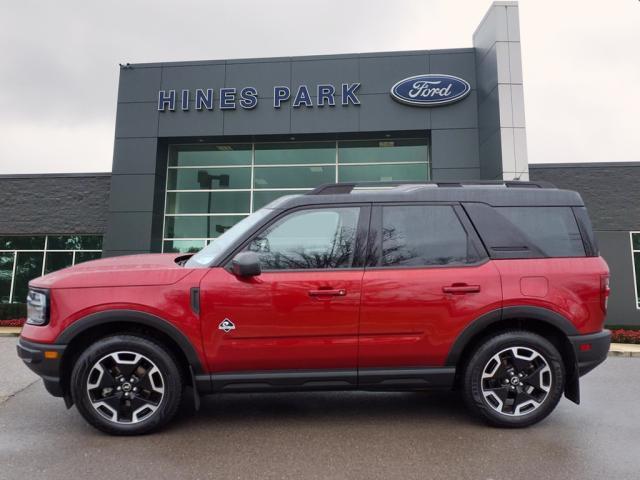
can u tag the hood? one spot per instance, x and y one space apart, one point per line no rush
127 271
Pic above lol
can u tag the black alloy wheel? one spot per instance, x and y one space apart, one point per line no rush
126 385
514 379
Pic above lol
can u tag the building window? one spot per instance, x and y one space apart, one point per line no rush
635 252
212 187
23 258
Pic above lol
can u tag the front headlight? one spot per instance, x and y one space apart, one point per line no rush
37 307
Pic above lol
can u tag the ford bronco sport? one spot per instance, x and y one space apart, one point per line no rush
495 289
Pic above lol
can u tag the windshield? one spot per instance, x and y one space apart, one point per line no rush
214 250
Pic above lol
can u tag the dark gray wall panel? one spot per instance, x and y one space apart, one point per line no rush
462 114
137 120
615 248
192 77
488 115
447 174
139 84
325 119
487 72
132 193
130 231
379 74
191 123
381 112
135 155
47 204
461 65
335 71
261 75
455 148
490 151
263 119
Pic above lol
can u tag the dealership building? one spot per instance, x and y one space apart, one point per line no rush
200 145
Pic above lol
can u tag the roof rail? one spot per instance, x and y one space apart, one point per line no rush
347 187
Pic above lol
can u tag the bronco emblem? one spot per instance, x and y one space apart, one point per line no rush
226 326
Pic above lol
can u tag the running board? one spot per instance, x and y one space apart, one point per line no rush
404 378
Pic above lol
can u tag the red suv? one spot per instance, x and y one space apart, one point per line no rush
494 289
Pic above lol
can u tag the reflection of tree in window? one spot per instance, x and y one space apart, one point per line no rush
28 266
309 239
415 235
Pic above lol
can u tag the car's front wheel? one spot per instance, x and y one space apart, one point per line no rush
514 379
126 385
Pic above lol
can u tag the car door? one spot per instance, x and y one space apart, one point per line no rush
301 312
426 278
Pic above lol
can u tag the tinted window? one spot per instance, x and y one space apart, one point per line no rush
318 238
415 235
551 230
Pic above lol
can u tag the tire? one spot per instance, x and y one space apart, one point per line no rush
538 370
126 385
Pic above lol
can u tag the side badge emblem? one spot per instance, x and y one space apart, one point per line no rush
226 326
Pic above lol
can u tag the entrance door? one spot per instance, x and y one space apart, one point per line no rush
426 281
301 312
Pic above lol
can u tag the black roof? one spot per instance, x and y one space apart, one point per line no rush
498 193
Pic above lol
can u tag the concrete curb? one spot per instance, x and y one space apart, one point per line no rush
10 331
624 350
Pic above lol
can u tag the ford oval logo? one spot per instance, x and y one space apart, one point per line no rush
430 90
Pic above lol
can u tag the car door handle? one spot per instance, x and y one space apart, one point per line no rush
340 292
461 289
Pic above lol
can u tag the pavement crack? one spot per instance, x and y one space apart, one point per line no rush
4 399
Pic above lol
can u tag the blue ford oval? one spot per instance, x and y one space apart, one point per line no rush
430 90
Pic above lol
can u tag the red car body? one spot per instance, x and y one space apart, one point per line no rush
284 327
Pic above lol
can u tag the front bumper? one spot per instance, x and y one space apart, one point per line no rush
45 365
590 350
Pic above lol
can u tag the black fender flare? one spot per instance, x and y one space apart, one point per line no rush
515 312
133 317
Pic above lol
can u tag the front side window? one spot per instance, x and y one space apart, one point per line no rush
424 235
309 239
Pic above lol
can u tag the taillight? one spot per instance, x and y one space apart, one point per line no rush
604 292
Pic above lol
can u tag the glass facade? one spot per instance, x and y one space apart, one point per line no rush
635 252
212 187
23 258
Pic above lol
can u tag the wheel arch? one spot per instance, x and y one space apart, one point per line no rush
547 323
98 325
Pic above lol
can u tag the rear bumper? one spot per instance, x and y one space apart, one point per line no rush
33 355
590 350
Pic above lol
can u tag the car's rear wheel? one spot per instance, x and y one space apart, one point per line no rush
514 379
126 385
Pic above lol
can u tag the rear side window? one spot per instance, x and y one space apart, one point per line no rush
553 230
424 235
528 232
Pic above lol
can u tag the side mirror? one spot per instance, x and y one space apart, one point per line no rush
246 264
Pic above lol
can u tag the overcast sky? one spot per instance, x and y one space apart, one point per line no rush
59 64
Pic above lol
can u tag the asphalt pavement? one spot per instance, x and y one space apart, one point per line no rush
331 435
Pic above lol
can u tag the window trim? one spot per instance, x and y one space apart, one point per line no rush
633 266
362 231
467 226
